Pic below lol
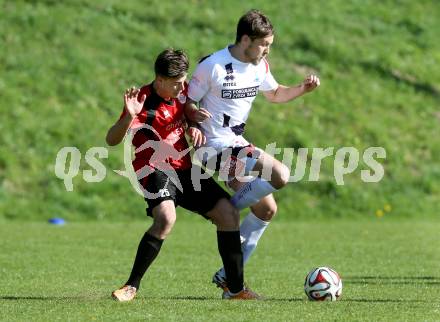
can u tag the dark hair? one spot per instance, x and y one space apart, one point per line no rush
171 63
254 24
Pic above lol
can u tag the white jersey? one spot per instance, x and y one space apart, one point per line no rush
226 87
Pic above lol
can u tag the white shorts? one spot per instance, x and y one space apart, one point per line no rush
232 156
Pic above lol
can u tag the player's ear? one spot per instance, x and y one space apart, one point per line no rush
245 40
159 81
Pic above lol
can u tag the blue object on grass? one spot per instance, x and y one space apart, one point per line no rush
57 221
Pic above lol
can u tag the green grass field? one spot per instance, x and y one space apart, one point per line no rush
389 270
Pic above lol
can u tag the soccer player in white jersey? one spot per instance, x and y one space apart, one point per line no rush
224 85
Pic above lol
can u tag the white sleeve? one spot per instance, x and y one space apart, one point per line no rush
201 81
269 82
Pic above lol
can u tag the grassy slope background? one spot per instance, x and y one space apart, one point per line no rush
64 66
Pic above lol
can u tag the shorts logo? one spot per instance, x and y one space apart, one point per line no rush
164 193
240 92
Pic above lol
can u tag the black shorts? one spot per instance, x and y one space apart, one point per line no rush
200 202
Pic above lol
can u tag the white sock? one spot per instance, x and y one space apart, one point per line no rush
251 193
251 230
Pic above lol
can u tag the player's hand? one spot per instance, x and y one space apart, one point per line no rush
197 137
131 103
310 83
200 115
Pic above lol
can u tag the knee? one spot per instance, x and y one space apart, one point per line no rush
269 212
163 225
266 212
167 222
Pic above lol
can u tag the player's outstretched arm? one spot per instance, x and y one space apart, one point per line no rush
132 107
195 114
285 94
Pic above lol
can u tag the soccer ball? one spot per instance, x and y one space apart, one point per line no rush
323 284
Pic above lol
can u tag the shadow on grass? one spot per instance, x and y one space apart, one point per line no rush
386 301
349 300
47 298
380 282
407 280
392 277
211 298
204 298
191 298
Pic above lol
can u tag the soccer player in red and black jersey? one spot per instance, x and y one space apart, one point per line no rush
163 167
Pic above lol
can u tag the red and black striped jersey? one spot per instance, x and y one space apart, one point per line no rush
160 132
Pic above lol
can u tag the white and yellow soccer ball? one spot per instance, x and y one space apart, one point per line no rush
323 284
